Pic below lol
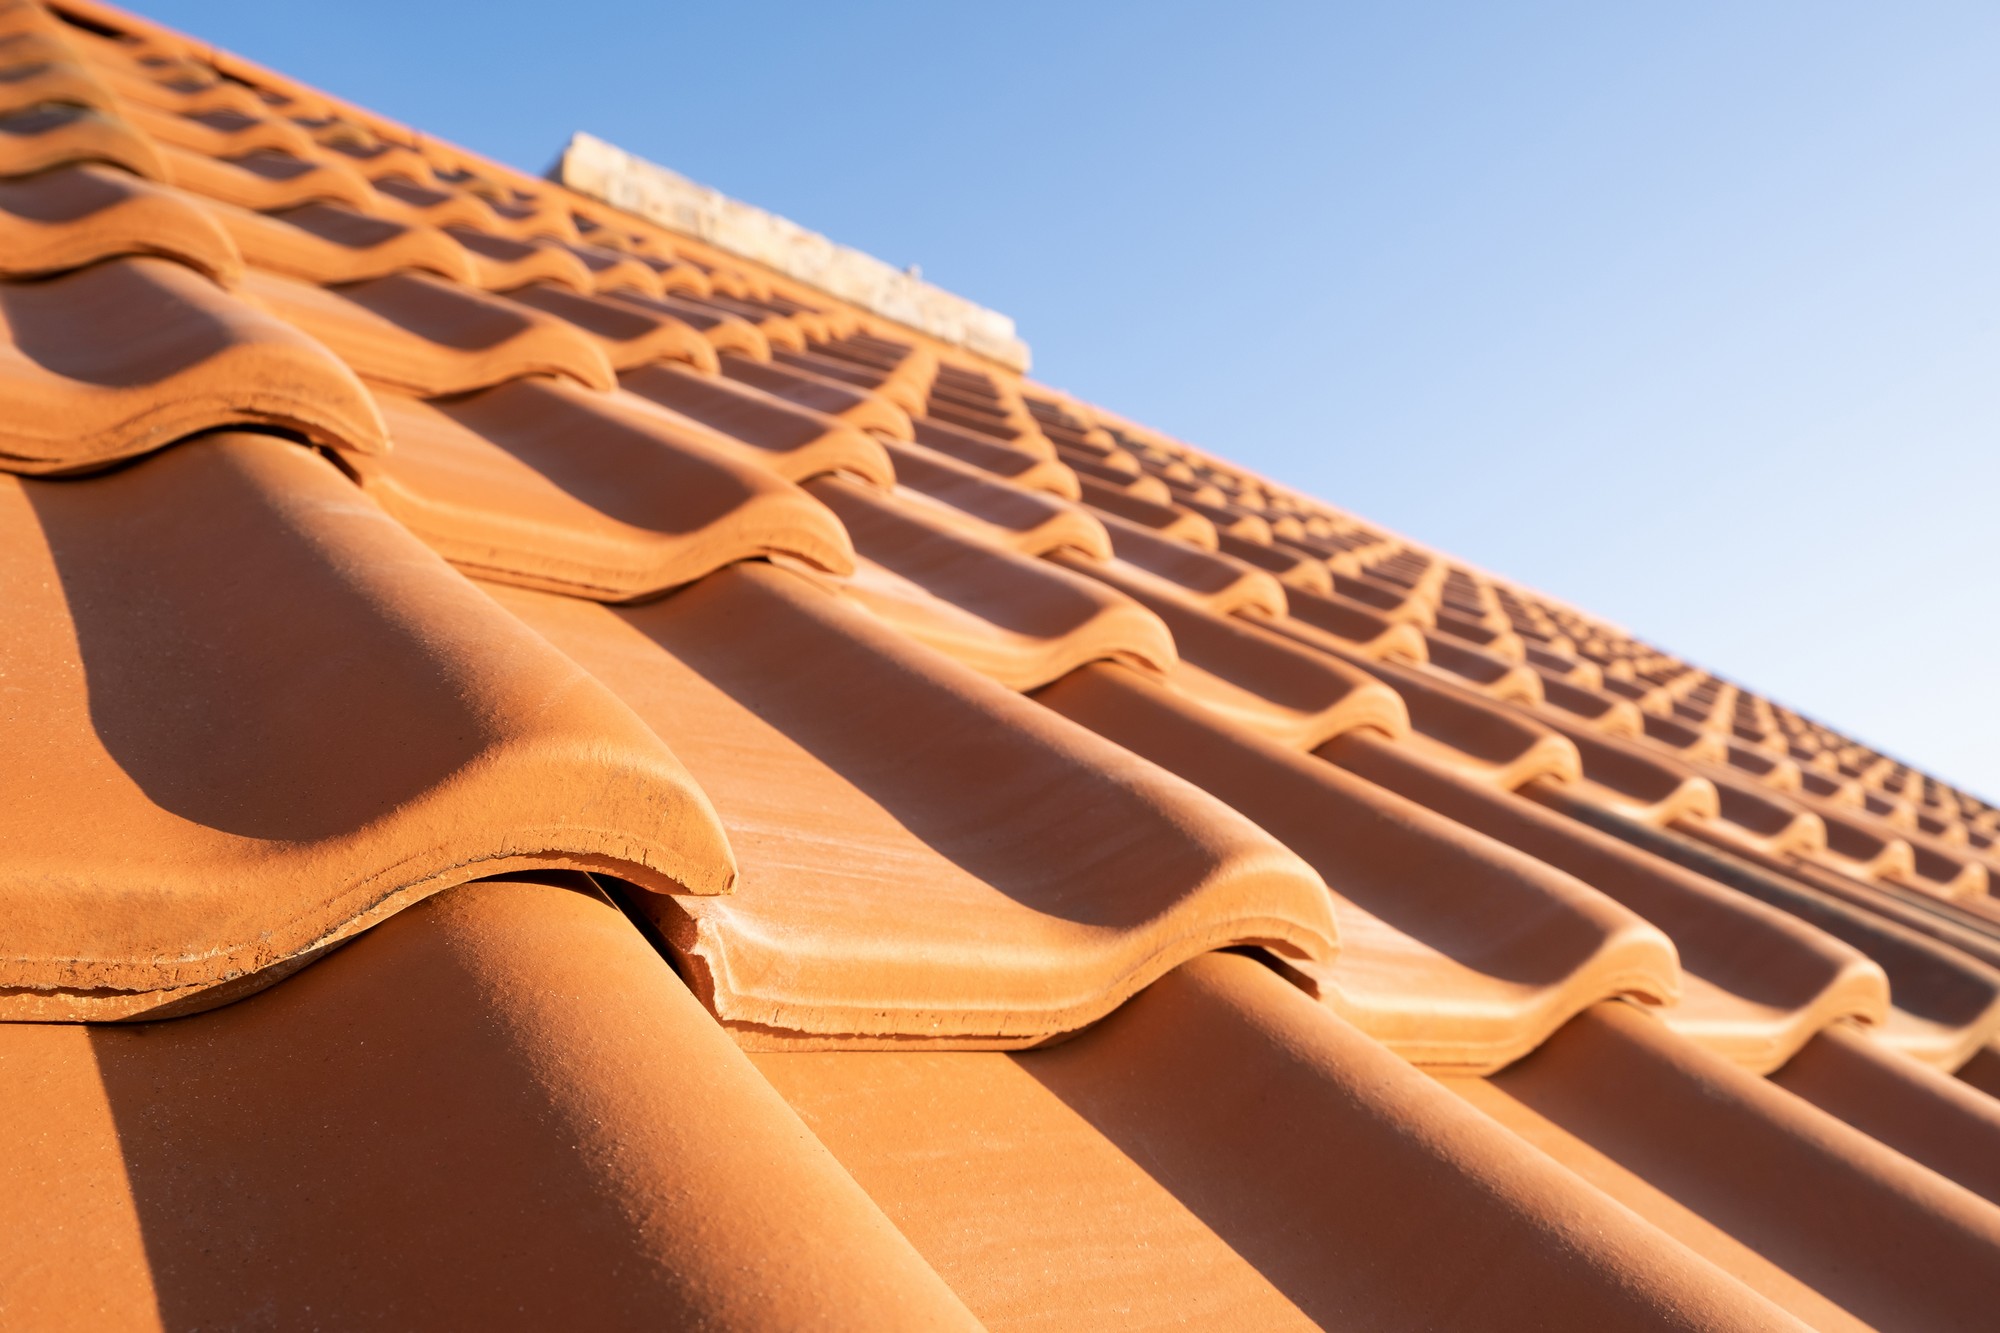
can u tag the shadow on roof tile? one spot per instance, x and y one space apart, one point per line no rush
497 1110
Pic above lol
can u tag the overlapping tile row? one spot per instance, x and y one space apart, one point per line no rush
438 525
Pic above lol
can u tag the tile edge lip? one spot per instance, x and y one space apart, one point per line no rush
602 171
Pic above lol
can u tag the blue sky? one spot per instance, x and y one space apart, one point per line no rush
1689 314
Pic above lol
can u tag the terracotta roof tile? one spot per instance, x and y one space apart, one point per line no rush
1261 680
1455 950
83 394
75 215
1422 1213
421 334
1835 1208
725 520
942 860
499 1108
1022 621
262 806
1031 522
331 243
795 442
540 483
1034 471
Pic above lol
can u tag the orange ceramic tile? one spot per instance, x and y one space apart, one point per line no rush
185 819
1128 481
1394 602
220 132
409 199
86 386
1942 1122
331 243
796 442
1634 779
1455 950
502 263
1258 679
1169 520
612 270
904 381
1027 521
77 215
1885 1239
629 334
537 482
1493 676
1598 707
1222 583
939 860
1483 740
1019 620
266 179
499 1109
1110 1180
1329 620
54 134
1946 1002
1018 466
252 717
773 329
1292 568
858 407
1759 981
418 333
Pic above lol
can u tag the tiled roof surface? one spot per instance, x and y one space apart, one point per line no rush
556 777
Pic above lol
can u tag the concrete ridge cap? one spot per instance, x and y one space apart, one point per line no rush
602 171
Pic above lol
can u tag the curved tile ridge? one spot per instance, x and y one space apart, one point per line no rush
926 856
331 243
418 333
1024 521
719 329
871 410
1629 779
182 821
1257 679
630 334
1482 739
267 180
1018 620
1329 620
1965 931
501 262
536 482
1222 583
910 391
1032 471
54 134
1757 981
1224 1152
1946 1003
795 442
1923 1113
1456 950
78 214
85 383
506 1069
1892 1243
1294 569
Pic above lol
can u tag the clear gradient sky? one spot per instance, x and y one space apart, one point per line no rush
1688 313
